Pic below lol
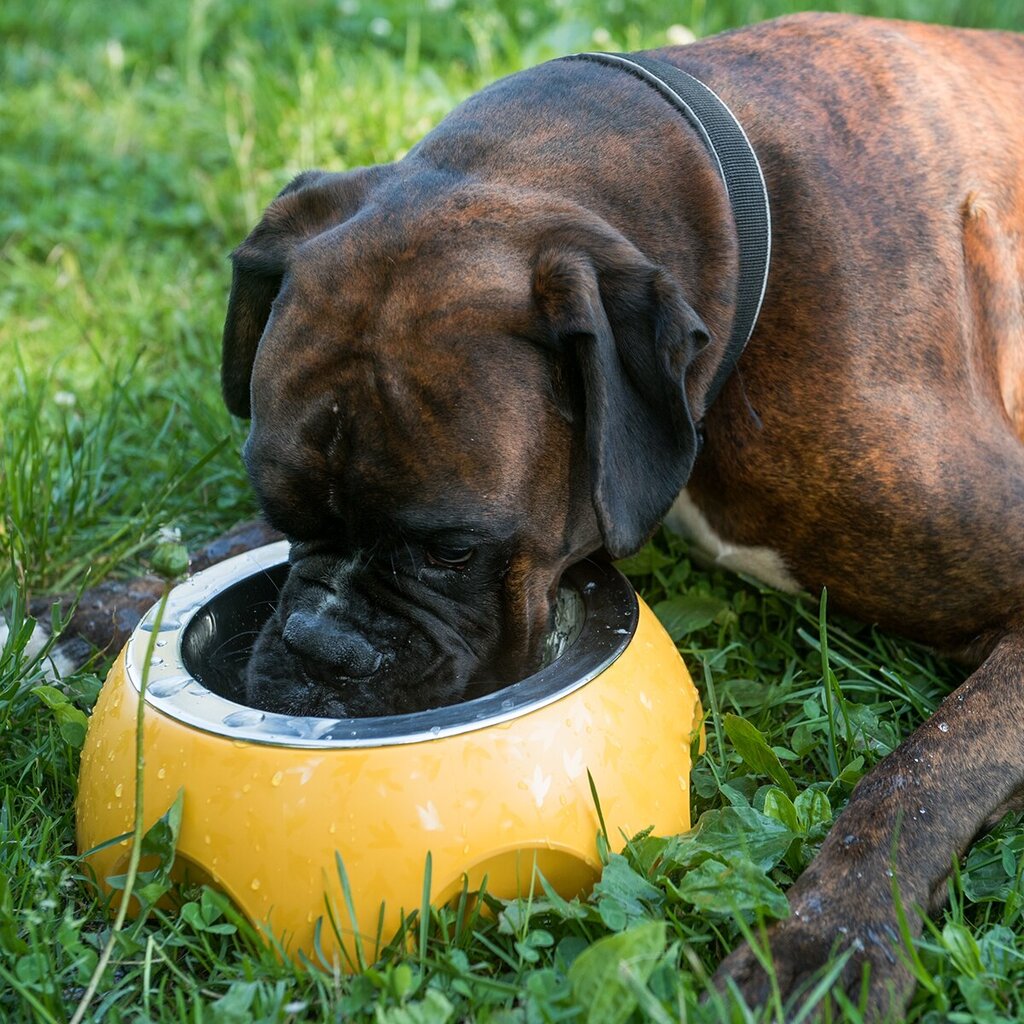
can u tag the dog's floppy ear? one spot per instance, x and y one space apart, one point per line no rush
309 204
633 336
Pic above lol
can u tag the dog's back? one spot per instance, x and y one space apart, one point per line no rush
883 392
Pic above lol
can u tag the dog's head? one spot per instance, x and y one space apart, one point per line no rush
455 392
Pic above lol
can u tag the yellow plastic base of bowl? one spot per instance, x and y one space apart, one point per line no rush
263 822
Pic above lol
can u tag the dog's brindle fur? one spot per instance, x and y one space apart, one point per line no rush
500 343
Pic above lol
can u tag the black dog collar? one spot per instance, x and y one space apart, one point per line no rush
737 164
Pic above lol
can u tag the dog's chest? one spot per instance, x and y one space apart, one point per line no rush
762 563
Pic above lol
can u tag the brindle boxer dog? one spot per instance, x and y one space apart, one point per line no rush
473 367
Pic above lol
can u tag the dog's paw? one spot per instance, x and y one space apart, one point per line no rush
806 950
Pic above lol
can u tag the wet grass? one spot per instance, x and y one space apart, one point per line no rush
140 142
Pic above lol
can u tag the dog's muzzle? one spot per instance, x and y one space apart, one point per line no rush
330 651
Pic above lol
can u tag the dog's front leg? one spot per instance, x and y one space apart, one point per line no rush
905 822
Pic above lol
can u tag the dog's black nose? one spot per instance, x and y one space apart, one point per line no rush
330 651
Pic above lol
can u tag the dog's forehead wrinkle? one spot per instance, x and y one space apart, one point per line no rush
270 453
404 413
403 262
477 516
340 570
294 363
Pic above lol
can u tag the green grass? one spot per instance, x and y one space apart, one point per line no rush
140 143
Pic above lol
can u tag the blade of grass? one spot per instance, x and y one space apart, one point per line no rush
137 829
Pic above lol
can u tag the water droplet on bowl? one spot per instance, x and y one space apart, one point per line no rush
249 716
169 687
118 789
167 625
276 780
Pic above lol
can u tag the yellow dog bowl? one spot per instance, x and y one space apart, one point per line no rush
492 787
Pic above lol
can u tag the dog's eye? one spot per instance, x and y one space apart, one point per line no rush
448 558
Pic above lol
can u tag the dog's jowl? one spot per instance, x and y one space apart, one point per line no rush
470 368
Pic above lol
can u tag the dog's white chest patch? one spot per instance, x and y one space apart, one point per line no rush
762 563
